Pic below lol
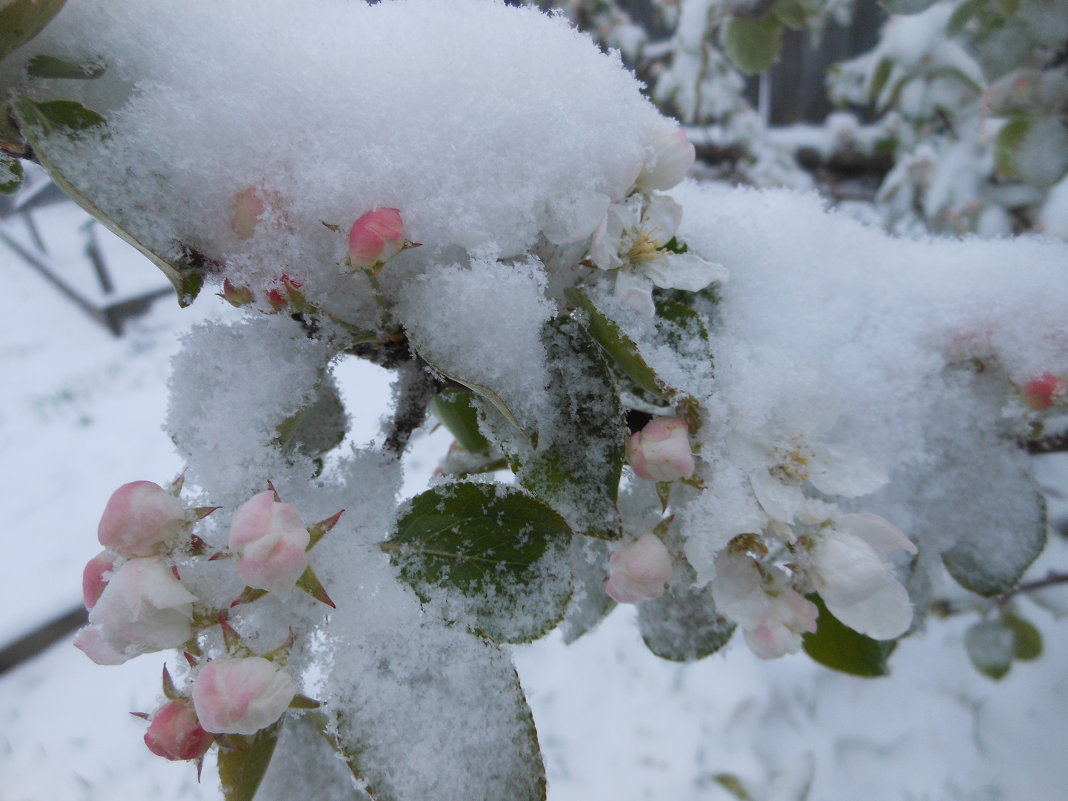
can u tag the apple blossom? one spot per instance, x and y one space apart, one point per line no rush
671 158
639 571
376 237
850 571
759 598
93 581
632 239
661 450
241 696
143 608
139 517
272 540
175 732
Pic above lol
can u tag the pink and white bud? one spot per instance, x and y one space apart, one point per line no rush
250 206
778 630
671 158
175 732
241 696
272 540
376 237
1042 392
90 641
95 577
661 450
139 517
143 608
639 571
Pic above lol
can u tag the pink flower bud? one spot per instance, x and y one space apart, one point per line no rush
93 581
241 696
139 517
236 296
272 541
175 732
661 450
249 207
671 157
639 571
285 294
1042 392
376 237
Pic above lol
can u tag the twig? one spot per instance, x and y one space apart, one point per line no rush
1052 578
414 390
1057 443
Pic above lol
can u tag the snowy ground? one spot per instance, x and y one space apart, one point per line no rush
80 413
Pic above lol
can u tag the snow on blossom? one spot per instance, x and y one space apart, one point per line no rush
375 238
95 577
272 541
849 568
632 239
139 517
175 732
143 608
671 157
759 598
640 571
661 450
241 696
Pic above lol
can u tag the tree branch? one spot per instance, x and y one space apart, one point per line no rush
414 390
1056 443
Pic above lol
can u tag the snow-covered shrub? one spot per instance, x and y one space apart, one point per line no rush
729 406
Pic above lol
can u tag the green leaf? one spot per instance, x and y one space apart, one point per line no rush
453 407
1027 640
792 13
907 6
1006 47
619 346
838 647
577 463
682 625
36 121
964 13
1033 150
990 645
733 785
319 427
492 551
21 20
241 771
10 174
590 604
753 44
879 78
52 67
992 565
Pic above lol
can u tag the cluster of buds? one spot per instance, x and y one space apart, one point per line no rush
138 603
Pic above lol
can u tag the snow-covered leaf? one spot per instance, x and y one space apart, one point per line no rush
319 426
242 767
753 44
590 604
993 564
453 407
682 625
36 122
990 645
489 554
51 67
10 174
21 20
837 646
578 460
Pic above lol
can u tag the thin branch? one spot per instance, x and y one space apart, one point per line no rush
1057 443
1052 578
414 390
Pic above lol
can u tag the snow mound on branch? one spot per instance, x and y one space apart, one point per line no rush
473 118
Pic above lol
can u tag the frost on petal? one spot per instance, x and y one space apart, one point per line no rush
780 501
138 517
574 216
840 470
635 292
883 615
686 271
671 158
241 696
847 569
640 571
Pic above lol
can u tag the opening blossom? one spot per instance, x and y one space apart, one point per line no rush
241 696
639 571
632 239
375 238
850 570
175 732
143 608
672 156
272 540
661 450
139 517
